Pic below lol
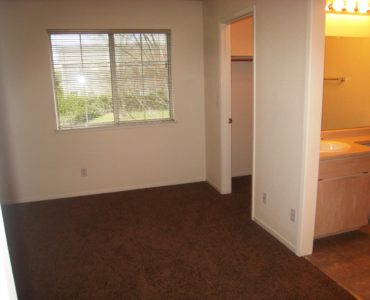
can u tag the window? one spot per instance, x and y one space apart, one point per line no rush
105 78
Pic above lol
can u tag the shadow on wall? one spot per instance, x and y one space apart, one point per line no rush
6 187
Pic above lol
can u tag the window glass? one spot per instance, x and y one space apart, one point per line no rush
110 78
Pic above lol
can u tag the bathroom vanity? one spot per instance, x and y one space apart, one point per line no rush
343 200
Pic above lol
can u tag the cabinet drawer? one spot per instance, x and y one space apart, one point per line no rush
342 167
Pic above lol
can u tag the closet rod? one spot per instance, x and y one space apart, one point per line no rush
341 79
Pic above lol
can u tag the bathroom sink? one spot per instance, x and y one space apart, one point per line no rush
333 146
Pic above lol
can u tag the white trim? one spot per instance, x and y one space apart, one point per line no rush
7 286
106 191
225 108
213 185
253 196
128 125
312 126
275 234
113 78
239 174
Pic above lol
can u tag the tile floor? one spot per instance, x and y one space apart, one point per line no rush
346 259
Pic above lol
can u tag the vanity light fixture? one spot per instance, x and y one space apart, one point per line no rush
348 6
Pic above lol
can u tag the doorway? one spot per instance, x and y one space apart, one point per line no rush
237 73
241 41
342 230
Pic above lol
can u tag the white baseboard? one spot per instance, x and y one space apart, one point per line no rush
105 191
239 174
212 184
276 235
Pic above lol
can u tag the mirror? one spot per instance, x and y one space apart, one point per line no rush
346 97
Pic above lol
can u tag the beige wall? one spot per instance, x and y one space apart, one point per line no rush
281 41
346 54
215 12
5 173
46 164
346 104
280 107
241 35
7 287
347 25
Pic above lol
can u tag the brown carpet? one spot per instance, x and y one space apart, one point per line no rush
178 242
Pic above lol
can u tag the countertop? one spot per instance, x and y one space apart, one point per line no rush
356 149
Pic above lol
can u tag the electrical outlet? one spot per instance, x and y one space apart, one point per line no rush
83 172
292 215
264 198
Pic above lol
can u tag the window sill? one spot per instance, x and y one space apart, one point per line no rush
128 125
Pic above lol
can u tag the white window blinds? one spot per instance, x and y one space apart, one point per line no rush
103 78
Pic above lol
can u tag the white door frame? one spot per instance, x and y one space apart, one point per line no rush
225 98
225 107
312 126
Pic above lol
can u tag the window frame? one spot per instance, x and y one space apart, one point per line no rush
149 122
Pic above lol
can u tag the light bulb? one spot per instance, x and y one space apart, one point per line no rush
328 5
338 5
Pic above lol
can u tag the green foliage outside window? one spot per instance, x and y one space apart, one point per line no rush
75 109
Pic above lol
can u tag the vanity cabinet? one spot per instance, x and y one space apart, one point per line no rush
343 200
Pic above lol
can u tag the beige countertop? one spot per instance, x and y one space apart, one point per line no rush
356 148
355 137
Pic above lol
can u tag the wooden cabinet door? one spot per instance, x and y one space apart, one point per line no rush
343 204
